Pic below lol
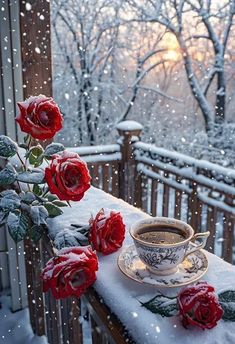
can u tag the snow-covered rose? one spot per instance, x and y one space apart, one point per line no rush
199 306
107 231
71 272
40 117
68 176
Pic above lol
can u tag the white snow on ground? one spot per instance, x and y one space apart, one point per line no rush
122 294
15 327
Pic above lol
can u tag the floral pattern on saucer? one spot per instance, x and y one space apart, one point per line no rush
190 270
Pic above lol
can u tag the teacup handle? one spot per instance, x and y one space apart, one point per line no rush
203 237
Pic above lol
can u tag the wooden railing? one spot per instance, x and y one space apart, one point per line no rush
103 163
162 183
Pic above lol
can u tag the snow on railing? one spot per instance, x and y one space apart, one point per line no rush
93 150
153 153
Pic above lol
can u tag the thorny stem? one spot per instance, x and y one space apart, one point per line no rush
69 204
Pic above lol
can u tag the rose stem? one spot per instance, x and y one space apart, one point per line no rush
23 165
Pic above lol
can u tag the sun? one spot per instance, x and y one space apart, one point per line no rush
172 55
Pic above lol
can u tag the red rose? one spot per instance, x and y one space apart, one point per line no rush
107 231
68 176
40 117
71 272
199 306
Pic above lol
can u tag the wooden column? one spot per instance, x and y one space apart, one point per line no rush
37 79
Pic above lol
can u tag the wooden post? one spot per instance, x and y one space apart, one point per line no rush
37 79
129 132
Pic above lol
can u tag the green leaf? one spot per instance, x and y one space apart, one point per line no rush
36 232
37 190
31 177
52 209
8 148
163 305
35 155
52 198
9 200
60 203
18 224
227 302
7 175
39 214
53 148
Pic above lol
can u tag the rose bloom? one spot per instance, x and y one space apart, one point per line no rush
40 117
68 176
71 272
199 306
107 231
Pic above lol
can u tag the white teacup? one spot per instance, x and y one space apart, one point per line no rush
162 257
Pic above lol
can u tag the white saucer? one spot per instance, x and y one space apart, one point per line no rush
190 270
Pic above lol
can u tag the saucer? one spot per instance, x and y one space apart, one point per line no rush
190 270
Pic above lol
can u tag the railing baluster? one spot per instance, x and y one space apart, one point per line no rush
75 328
228 236
106 176
64 321
115 191
211 226
154 197
165 203
95 332
95 180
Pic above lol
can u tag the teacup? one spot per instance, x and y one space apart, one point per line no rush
163 243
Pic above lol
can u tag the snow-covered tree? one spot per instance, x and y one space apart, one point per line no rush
193 23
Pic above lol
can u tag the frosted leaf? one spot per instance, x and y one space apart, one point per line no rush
9 200
53 148
28 197
18 224
33 177
8 148
7 175
69 238
36 232
39 214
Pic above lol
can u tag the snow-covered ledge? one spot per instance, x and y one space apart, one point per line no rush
122 295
